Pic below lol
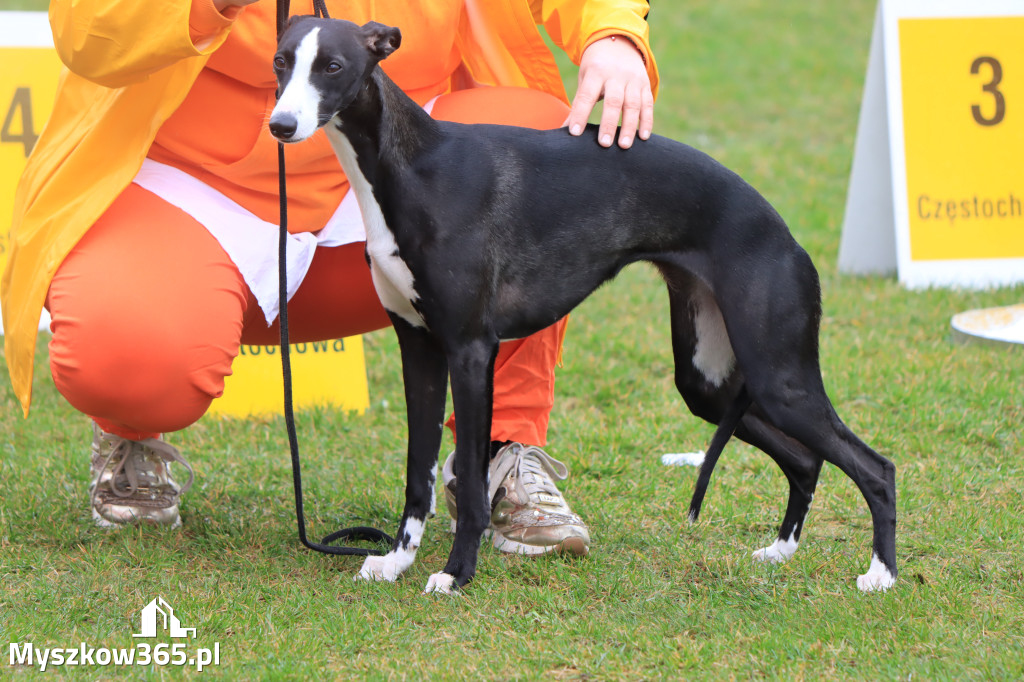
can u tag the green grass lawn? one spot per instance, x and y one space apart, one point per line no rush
772 90
24 5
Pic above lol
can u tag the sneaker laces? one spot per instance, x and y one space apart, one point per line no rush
536 472
132 463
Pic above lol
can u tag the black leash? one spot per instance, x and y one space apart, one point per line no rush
358 532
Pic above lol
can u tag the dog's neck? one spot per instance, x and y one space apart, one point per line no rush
384 126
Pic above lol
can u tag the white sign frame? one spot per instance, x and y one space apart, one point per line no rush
876 225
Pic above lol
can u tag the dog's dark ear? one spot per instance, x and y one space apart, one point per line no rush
382 40
289 22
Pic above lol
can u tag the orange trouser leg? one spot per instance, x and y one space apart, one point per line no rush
148 314
146 322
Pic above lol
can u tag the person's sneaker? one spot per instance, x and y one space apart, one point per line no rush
132 481
528 513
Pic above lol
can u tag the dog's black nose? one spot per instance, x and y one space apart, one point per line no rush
283 126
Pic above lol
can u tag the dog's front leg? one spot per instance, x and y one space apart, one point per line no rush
472 372
425 371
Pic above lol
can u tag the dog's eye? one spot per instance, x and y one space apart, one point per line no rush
279 63
333 67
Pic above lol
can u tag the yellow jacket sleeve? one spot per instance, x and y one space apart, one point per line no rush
574 24
116 43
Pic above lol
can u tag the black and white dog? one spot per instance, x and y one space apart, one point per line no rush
478 233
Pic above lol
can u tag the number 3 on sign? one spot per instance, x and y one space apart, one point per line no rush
956 113
992 87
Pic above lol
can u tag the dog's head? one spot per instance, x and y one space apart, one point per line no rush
320 65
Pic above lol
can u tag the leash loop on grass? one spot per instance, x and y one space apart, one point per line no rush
358 532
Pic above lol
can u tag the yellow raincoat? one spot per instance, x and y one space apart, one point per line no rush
115 93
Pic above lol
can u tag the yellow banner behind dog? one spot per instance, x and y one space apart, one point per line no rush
323 373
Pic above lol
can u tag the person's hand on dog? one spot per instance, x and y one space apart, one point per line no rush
613 69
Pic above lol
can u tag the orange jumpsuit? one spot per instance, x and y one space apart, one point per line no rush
148 311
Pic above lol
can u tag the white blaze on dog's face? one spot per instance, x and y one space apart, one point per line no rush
300 99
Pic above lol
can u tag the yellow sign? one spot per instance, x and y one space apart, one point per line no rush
28 84
963 123
323 373
937 184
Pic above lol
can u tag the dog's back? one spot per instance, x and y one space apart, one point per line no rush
529 199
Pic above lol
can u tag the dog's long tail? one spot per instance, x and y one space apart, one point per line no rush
726 427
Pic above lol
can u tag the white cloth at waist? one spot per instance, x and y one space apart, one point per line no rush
250 242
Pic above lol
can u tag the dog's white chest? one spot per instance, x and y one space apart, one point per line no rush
394 285
392 278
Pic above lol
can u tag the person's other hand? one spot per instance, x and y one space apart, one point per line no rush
613 69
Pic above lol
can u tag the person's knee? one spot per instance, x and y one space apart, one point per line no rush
140 371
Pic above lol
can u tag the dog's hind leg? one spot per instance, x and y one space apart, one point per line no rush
425 371
778 356
801 410
801 468
875 476
472 376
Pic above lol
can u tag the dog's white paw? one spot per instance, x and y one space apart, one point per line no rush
380 568
877 579
770 555
442 583
777 552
